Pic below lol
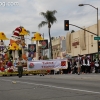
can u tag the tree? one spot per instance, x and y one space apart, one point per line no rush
49 19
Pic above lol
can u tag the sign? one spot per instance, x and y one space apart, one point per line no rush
46 64
76 42
44 44
31 47
96 38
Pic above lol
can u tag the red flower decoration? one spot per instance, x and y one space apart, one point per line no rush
2 68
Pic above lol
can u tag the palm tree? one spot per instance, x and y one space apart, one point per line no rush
49 19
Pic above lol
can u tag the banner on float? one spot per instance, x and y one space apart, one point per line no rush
47 65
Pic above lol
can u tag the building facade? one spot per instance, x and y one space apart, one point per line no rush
58 47
82 42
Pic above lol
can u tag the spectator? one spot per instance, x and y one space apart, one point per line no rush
88 64
84 64
41 71
74 66
69 66
79 64
29 58
96 65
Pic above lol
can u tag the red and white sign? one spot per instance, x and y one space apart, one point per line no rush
47 64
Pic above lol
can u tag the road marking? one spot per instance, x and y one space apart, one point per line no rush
51 86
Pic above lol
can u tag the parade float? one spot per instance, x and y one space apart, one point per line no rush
14 50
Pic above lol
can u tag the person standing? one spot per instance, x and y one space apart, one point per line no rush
84 64
88 64
79 64
20 67
69 66
41 71
96 65
74 68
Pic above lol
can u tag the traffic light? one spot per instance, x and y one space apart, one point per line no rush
66 24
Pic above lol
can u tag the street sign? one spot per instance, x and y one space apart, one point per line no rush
96 38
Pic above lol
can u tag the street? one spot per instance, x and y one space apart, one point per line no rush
51 87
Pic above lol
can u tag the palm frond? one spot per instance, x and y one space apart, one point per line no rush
52 12
53 20
42 24
43 14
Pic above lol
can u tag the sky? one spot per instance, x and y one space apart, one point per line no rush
26 13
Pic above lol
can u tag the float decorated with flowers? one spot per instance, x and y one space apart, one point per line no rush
10 53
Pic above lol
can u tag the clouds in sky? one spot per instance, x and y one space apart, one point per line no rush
27 14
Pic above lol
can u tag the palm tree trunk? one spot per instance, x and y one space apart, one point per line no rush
50 44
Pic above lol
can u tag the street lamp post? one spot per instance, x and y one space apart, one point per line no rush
97 21
97 16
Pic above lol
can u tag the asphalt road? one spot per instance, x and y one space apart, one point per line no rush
51 87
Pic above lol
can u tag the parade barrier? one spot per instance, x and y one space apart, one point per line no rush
37 67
